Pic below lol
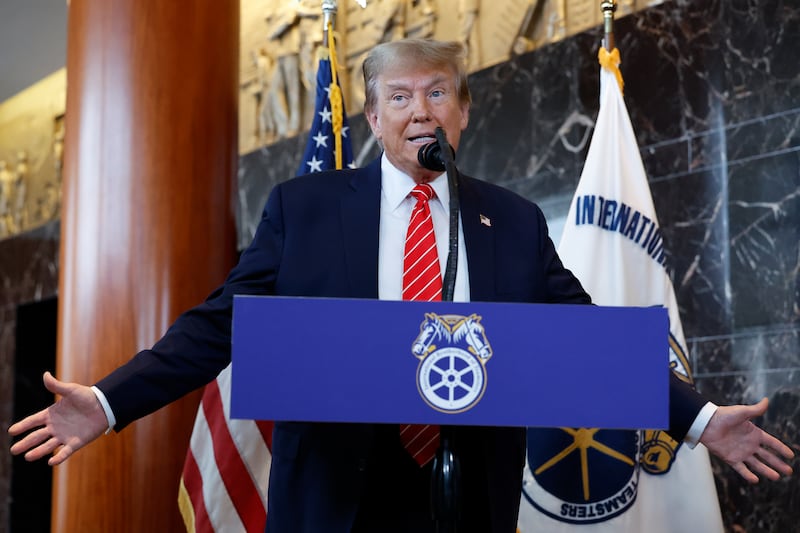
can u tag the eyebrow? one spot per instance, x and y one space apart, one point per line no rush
437 80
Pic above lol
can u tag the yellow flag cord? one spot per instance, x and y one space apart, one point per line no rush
610 61
335 93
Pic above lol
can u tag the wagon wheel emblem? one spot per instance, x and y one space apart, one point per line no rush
451 379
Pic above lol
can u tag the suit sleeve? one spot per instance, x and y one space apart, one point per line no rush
684 405
198 344
562 285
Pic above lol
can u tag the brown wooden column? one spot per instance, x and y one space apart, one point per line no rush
147 228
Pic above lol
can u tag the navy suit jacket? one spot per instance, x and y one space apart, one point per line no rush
319 237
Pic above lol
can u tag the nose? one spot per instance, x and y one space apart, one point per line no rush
420 111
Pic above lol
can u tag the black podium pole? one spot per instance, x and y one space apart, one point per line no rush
446 473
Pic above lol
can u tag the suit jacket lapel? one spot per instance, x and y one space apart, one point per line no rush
479 239
360 215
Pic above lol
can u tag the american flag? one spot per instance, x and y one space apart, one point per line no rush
224 483
330 120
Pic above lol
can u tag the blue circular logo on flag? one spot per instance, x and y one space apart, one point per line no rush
581 475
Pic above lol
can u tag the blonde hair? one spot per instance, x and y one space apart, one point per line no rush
422 52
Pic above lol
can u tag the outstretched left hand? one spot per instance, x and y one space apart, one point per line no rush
751 451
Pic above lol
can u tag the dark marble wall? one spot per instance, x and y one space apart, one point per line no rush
28 273
713 90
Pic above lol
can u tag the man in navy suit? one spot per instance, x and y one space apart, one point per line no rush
341 234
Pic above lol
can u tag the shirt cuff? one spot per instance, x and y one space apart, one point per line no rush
112 420
699 425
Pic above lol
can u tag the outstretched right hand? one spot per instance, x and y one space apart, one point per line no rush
68 425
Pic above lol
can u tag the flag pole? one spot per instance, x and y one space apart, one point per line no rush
608 7
329 9
608 55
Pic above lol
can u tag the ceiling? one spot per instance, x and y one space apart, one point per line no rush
33 42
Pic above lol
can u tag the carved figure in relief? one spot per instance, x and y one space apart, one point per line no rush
310 26
6 188
284 86
381 21
468 31
19 212
420 19
48 205
266 127
58 147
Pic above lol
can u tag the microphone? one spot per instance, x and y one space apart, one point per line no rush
430 156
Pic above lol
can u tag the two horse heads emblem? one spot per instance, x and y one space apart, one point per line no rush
453 351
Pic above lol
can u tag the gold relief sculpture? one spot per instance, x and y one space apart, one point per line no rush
6 199
294 33
19 209
468 31
59 132
310 27
279 42
280 38
266 128
31 155
283 95
421 18
379 21
48 204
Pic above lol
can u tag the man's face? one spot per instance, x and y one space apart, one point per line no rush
411 102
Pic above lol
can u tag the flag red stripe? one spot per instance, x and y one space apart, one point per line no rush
265 427
193 481
241 489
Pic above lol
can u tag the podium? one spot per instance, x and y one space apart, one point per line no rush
474 363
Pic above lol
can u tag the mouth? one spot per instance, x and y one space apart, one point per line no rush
422 139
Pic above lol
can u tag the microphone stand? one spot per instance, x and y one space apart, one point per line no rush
446 472
446 154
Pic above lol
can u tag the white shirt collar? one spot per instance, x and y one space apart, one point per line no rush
397 185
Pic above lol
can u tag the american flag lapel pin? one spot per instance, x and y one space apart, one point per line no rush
485 221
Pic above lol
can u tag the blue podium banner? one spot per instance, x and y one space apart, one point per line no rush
476 363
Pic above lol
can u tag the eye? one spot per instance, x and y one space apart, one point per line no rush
436 93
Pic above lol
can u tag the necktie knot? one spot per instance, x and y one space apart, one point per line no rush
423 192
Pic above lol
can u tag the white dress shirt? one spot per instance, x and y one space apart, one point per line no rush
396 206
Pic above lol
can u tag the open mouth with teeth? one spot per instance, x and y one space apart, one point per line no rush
423 139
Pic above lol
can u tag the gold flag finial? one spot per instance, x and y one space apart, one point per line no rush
329 8
608 7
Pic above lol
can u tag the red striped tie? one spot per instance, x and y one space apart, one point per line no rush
422 280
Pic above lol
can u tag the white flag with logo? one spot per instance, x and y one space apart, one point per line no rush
583 480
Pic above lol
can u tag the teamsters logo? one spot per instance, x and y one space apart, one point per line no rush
452 352
590 475
581 475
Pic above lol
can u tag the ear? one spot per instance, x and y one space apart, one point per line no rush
374 123
464 115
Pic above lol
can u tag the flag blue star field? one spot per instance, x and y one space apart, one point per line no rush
329 115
